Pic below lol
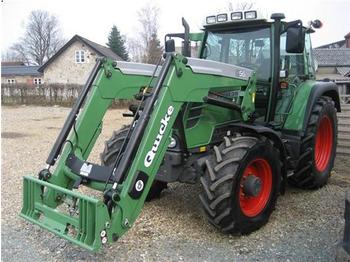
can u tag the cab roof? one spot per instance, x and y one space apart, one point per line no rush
237 24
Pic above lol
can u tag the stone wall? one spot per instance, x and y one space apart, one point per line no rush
64 69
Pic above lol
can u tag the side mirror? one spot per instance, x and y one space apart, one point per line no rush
170 46
295 39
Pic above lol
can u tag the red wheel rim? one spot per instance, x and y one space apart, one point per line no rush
323 144
252 206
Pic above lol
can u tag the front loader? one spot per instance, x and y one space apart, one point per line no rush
242 119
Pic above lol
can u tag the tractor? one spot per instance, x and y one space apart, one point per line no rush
243 119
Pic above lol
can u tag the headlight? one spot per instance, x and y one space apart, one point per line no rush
211 19
172 143
221 18
250 15
236 16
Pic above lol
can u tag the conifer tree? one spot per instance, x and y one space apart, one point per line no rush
117 44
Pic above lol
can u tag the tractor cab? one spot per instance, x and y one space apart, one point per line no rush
248 40
278 52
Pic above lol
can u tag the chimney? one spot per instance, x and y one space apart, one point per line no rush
347 40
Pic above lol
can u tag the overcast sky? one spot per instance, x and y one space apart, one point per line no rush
94 19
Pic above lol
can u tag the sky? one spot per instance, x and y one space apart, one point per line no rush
94 19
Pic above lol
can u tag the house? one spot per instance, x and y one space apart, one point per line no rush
12 63
18 73
333 63
73 63
345 43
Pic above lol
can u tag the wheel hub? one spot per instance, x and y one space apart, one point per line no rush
252 185
255 187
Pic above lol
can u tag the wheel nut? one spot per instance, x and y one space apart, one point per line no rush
104 240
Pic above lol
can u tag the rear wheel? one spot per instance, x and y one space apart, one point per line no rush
111 151
241 184
318 148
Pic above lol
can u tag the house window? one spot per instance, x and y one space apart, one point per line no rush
37 81
11 81
80 56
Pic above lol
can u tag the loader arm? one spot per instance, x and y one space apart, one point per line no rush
93 222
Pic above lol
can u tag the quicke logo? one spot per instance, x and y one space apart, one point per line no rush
163 125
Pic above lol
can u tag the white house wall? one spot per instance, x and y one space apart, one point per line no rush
64 69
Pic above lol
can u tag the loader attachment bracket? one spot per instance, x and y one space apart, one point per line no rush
83 224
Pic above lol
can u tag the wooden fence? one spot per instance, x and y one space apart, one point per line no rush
53 94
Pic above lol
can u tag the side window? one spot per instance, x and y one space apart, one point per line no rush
293 63
309 57
80 56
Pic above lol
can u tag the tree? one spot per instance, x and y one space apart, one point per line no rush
117 44
41 40
10 56
135 49
154 50
146 47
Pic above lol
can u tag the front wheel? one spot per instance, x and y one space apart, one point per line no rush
111 151
241 184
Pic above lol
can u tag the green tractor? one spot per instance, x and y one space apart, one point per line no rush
243 119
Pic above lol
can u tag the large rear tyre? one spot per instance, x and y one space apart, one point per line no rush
318 147
241 183
111 151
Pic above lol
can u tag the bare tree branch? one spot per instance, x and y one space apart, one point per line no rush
147 48
42 38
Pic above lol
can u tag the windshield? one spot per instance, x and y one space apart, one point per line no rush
248 48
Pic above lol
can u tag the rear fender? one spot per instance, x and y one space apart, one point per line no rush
329 89
304 101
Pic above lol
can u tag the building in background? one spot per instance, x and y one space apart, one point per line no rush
17 73
333 63
73 63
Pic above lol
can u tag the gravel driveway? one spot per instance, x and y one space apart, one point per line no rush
305 226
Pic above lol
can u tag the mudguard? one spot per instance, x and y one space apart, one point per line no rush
329 89
272 135
301 110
